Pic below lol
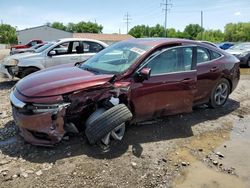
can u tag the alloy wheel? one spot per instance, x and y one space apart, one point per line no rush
221 94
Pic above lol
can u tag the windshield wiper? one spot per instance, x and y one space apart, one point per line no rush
91 70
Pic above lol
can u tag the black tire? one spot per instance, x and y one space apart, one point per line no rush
216 96
28 71
96 129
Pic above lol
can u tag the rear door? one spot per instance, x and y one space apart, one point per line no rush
90 49
209 70
171 86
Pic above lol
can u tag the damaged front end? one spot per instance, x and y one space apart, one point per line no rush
9 68
45 124
40 124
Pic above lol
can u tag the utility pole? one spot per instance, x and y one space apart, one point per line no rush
127 20
166 9
202 25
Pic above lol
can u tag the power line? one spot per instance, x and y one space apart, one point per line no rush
127 20
166 8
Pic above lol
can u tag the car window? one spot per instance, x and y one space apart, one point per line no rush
116 58
214 55
44 47
92 47
202 55
62 48
171 60
76 47
33 43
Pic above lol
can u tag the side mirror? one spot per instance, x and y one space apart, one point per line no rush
144 73
51 53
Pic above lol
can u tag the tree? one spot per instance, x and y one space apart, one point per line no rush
58 25
140 31
157 31
80 27
7 34
211 35
237 32
192 30
88 27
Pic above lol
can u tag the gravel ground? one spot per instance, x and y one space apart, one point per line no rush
152 154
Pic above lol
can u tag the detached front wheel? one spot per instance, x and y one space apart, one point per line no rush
104 125
220 93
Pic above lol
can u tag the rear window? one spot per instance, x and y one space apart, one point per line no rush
215 55
202 55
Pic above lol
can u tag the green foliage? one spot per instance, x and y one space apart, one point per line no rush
237 32
140 31
211 35
192 30
7 34
80 27
58 25
234 32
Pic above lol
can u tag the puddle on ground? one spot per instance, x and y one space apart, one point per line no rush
245 71
236 154
198 175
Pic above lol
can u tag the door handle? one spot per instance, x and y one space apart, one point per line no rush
214 69
186 80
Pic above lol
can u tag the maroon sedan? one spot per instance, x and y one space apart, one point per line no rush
128 82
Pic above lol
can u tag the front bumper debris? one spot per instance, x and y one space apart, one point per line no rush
40 125
4 71
45 129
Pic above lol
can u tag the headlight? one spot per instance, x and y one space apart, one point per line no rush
11 62
41 108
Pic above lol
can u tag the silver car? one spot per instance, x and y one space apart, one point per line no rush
242 52
70 50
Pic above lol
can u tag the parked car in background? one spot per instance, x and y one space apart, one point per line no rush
31 49
70 50
225 45
130 81
242 52
28 45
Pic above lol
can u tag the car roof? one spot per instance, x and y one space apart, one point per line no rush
154 42
81 39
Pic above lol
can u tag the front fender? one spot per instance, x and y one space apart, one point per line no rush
38 63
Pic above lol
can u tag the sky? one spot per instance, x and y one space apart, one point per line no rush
111 13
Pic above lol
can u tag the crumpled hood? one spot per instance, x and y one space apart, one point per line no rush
59 81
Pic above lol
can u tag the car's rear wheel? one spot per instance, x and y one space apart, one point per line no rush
28 71
220 93
104 125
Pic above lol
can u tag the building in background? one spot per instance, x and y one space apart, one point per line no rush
107 38
47 33
43 32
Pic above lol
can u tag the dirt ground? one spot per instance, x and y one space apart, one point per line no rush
206 148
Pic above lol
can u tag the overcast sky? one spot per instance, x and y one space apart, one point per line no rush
111 13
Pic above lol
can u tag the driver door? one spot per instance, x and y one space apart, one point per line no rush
171 86
67 52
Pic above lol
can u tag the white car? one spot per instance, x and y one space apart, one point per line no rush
70 50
